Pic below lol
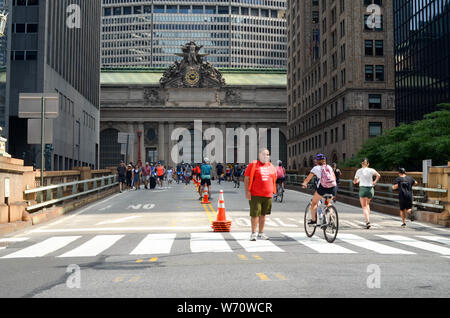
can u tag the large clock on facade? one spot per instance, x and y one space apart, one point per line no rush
192 77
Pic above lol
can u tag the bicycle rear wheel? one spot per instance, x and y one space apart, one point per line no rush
331 230
309 230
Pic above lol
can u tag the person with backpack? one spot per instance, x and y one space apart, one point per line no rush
325 185
364 177
281 174
260 186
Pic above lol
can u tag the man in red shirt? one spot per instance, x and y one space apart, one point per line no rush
260 185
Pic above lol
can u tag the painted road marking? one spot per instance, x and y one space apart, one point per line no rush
94 246
255 246
438 239
318 244
13 239
417 244
262 276
124 229
370 245
155 244
43 248
120 220
208 242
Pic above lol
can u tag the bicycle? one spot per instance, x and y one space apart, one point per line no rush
327 212
236 180
280 193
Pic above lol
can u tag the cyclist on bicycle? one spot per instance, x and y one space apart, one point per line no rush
325 185
281 174
205 177
237 171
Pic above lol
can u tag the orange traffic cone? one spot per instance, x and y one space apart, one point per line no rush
221 224
205 199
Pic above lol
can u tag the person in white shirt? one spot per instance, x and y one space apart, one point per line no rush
364 177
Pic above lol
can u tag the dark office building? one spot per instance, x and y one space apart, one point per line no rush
422 57
54 47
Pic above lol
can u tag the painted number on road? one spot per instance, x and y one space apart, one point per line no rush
147 206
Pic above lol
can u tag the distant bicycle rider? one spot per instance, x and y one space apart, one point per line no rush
205 177
281 174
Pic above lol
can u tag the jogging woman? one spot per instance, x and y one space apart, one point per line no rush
364 177
325 185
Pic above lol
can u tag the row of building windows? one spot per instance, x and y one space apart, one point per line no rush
24 55
270 3
192 9
314 143
25 3
24 28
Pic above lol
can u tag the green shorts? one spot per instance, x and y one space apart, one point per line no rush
260 206
366 192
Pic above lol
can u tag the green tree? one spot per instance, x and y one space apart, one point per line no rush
408 144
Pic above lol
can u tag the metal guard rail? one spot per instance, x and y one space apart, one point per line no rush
105 182
390 192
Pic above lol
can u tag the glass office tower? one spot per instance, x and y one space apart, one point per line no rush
422 57
235 33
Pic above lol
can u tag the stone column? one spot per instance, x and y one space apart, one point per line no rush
161 152
130 156
170 145
140 127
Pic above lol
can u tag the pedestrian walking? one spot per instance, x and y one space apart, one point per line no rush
364 176
129 176
136 177
146 174
404 184
259 184
219 171
122 175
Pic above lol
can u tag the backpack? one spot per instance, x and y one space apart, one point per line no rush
280 172
327 177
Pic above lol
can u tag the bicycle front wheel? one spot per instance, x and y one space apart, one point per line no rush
331 230
309 230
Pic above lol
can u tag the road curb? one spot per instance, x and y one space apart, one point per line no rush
48 214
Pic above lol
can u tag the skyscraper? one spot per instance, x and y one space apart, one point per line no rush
55 48
422 59
235 33
340 77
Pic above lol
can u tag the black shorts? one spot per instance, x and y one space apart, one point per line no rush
405 203
122 179
161 177
322 191
206 181
281 180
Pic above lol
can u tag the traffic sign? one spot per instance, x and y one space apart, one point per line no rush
30 105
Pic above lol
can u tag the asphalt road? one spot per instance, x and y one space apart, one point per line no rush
159 243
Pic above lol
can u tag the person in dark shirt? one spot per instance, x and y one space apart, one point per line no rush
121 171
404 185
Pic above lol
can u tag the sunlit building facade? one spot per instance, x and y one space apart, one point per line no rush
235 33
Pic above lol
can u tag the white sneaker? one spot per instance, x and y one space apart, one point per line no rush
262 236
253 237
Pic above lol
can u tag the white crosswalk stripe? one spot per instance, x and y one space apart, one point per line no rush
438 239
155 244
94 246
417 244
318 244
370 245
255 246
43 248
208 242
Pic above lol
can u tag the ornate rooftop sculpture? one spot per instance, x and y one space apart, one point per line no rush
192 71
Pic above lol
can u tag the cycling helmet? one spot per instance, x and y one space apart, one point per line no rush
320 156
206 160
